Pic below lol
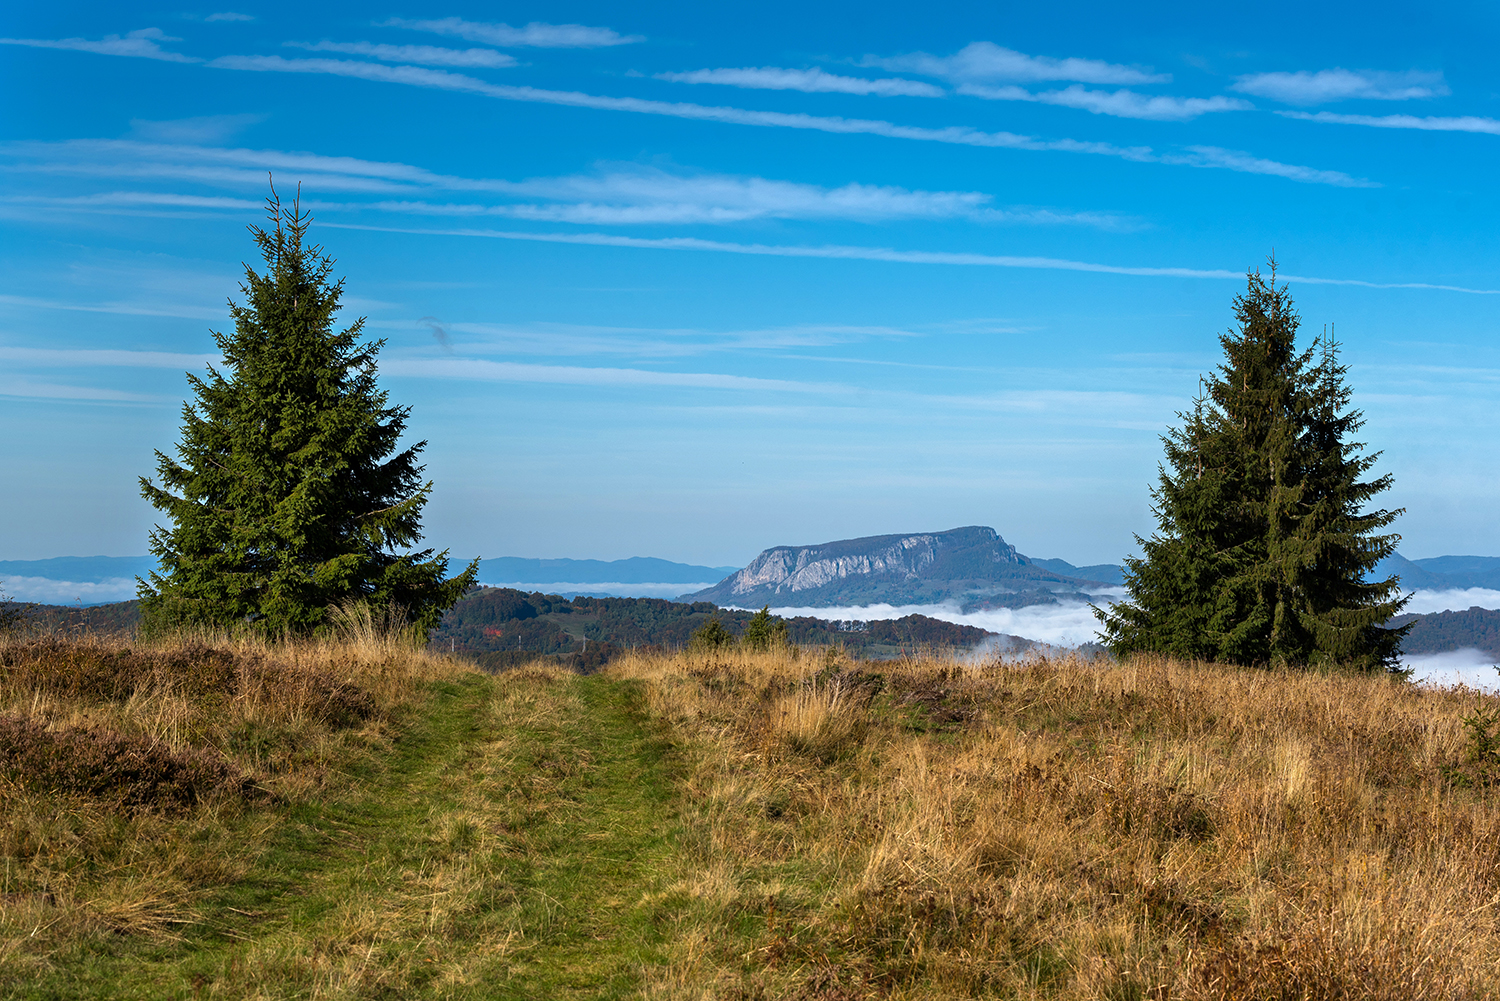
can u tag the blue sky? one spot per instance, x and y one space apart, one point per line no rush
691 280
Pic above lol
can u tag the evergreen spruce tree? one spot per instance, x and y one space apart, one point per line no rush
764 631
285 497
1263 544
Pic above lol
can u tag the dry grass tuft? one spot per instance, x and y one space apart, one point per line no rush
1077 830
137 777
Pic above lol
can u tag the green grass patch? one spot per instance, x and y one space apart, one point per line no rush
515 841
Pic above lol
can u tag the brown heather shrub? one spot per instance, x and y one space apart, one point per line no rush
95 671
1066 829
130 772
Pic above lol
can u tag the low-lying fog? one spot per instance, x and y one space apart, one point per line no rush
1073 623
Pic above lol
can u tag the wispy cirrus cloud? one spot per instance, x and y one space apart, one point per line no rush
811 81
174 309
132 199
836 252
1119 103
573 375
228 15
1463 123
105 358
559 339
221 167
199 130
960 135
986 62
1230 159
421 55
143 44
644 194
537 34
1325 86
614 195
33 390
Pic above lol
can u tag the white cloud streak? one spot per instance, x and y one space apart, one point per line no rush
984 62
558 339
134 199
811 81
1325 86
961 135
228 15
141 44
534 35
105 358
117 308
627 195
27 389
422 55
834 252
497 371
1119 103
1465 123
1215 156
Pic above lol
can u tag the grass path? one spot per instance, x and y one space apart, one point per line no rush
515 843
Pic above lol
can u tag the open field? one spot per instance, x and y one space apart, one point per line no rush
354 819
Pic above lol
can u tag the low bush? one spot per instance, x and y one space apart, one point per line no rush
128 772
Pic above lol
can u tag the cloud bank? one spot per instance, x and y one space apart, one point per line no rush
1470 667
43 591
1073 623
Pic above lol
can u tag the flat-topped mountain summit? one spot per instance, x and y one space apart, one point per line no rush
973 564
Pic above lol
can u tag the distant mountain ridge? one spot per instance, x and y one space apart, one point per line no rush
635 570
1105 573
972 563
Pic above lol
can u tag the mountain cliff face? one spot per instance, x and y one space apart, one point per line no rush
899 569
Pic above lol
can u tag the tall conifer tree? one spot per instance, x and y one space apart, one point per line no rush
1263 544
285 496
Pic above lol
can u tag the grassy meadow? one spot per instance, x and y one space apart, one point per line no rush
358 818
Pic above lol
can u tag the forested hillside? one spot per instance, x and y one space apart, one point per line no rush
501 626
1439 632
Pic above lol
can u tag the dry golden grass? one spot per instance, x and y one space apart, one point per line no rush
200 733
1073 830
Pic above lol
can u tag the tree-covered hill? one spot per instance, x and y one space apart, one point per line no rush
1440 632
501 626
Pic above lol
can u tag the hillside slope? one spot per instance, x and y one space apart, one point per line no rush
736 826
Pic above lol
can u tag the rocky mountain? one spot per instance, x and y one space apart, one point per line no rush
973 565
